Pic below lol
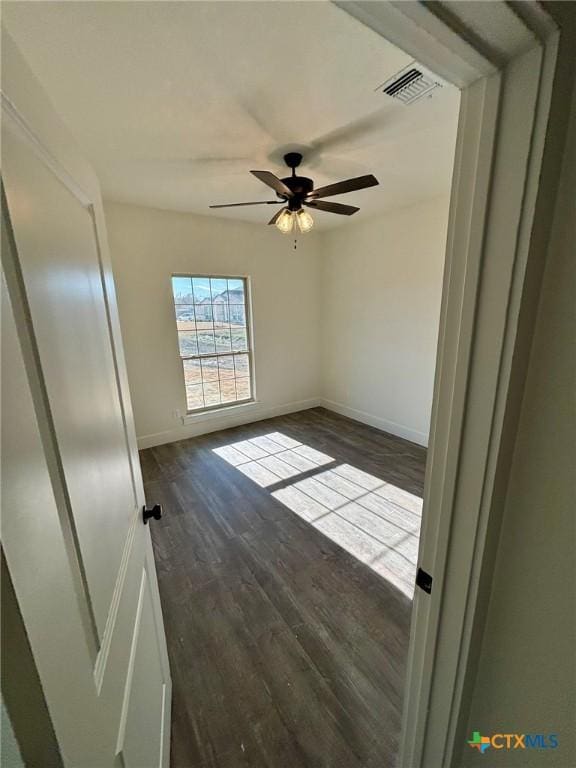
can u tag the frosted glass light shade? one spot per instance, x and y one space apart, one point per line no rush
285 222
305 221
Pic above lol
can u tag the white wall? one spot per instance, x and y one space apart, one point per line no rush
382 284
147 246
349 320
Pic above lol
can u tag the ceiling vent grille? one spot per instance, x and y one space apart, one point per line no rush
410 84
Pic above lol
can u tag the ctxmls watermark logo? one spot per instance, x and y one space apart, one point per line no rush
513 741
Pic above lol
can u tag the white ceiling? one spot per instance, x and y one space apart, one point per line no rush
174 102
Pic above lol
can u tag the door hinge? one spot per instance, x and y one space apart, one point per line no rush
424 581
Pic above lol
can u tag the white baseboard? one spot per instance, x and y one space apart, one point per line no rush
376 421
257 412
228 418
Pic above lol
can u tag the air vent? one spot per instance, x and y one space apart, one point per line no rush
410 84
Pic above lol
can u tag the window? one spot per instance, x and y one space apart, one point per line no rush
214 340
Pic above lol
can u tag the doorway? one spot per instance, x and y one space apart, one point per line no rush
476 345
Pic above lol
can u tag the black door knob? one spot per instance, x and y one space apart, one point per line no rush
155 512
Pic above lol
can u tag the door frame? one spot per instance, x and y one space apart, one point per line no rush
504 63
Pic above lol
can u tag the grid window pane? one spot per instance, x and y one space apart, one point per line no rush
222 338
242 365
194 396
226 367
209 369
192 372
203 313
237 314
185 317
243 388
236 292
239 340
212 393
205 342
201 289
221 312
213 339
228 390
187 343
219 287
182 290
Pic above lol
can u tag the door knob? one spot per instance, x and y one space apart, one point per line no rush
155 512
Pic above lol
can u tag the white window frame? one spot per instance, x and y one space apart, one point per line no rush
207 409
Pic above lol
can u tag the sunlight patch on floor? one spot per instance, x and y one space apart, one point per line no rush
377 522
269 459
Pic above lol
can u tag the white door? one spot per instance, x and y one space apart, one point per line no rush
72 530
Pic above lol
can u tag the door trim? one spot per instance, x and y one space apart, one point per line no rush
505 68
11 113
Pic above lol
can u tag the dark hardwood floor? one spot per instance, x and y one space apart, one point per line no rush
285 650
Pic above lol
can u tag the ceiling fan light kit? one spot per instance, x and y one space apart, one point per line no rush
304 220
287 219
284 221
295 192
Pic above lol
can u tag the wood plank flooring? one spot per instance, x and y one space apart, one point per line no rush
285 650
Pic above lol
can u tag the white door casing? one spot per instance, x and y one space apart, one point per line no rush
504 62
78 553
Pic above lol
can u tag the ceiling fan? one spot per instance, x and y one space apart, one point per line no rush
295 192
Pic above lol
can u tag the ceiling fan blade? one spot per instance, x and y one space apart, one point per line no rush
321 205
350 185
349 136
273 181
258 202
276 216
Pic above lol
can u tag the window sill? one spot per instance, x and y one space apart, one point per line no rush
194 418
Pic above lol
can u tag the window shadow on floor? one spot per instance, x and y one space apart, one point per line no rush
375 521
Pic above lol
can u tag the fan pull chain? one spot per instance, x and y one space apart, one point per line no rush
295 243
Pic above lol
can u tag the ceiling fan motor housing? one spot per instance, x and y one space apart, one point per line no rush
300 186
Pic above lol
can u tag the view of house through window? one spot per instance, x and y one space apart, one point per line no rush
214 339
